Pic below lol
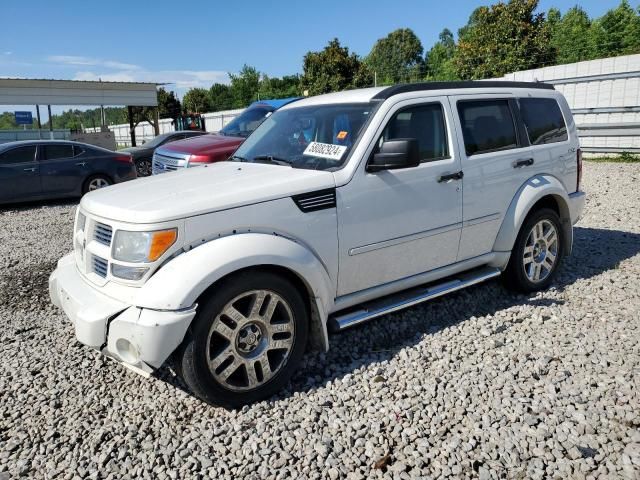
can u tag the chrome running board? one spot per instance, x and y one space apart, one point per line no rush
408 298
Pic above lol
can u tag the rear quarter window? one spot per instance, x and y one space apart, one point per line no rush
487 126
543 120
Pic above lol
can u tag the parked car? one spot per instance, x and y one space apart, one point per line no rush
336 210
142 155
39 169
218 146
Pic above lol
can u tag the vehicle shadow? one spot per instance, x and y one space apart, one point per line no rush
595 251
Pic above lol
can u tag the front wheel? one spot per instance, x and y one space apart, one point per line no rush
246 340
537 252
96 182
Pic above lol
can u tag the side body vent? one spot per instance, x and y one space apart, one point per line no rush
318 200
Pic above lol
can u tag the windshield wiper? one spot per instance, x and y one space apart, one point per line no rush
272 159
238 158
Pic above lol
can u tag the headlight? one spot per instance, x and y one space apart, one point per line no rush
142 247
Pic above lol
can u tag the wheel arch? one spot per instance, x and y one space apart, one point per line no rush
541 191
201 269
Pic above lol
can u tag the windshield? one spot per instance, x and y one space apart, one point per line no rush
246 122
316 137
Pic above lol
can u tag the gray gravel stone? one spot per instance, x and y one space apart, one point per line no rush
478 384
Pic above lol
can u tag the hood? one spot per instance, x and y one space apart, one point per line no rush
195 191
202 144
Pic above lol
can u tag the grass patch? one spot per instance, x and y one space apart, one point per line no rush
624 157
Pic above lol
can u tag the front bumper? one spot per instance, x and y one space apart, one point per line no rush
139 338
576 205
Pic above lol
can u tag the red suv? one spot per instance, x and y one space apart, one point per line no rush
214 147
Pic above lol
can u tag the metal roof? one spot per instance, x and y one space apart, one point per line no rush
21 91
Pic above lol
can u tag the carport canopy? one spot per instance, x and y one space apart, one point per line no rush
22 91
15 91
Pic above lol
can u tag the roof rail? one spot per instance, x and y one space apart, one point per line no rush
416 87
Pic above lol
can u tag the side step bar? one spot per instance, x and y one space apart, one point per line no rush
408 298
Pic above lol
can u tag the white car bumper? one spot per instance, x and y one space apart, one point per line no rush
140 338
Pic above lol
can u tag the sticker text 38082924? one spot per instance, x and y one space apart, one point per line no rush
325 150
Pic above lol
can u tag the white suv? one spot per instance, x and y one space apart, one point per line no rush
337 209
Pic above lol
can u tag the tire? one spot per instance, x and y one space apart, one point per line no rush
143 167
253 348
537 253
95 182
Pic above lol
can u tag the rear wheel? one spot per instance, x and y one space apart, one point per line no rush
537 252
95 183
246 341
143 167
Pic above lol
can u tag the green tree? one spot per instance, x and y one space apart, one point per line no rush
8 121
221 97
571 35
617 32
397 57
197 100
284 87
245 86
333 69
503 38
439 60
168 104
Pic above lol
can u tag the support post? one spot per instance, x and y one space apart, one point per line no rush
50 123
39 122
103 120
132 128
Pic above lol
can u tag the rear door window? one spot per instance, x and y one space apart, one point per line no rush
487 126
55 152
543 120
18 155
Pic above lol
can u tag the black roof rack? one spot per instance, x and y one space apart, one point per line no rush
416 87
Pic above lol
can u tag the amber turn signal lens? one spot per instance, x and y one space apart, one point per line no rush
161 242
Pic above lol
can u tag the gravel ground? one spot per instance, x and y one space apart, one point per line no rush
479 384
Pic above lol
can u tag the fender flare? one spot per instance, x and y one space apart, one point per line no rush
181 281
532 191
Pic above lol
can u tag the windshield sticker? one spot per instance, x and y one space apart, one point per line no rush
342 135
325 150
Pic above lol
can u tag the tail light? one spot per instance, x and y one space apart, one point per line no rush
123 158
579 160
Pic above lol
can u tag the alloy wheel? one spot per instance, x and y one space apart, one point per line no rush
250 340
540 251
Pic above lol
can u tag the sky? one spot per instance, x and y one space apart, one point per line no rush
196 43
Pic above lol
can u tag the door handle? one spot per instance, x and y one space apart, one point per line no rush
32 169
450 176
81 164
523 163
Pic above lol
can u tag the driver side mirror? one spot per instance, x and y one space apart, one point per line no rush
395 154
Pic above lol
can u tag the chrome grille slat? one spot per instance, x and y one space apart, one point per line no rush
100 266
103 233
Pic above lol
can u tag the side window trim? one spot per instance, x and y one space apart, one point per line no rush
514 120
424 103
521 130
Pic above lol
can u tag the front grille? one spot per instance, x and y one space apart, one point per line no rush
165 163
102 233
100 266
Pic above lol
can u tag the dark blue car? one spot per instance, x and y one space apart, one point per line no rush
40 169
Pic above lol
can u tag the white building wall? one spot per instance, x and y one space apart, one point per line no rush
214 121
608 83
